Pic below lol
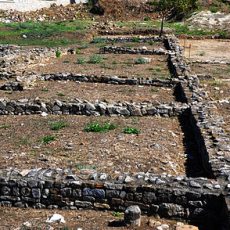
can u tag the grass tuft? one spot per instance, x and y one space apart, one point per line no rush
58 125
99 128
95 59
130 130
48 139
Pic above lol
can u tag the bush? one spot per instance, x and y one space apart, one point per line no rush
48 139
95 59
141 60
80 60
58 53
97 127
130 130
58 125
135 39
99 40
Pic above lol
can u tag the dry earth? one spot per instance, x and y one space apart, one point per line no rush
112 152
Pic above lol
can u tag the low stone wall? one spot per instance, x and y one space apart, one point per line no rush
117 80
78 107
126 50
197 199
211 139
127 39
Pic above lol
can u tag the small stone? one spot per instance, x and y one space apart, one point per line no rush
56 218
194 184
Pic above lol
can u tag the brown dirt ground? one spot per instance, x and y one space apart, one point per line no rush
112 152
67 90
13 218
208 49
112 64
218 71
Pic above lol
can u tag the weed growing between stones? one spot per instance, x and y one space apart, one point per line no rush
130 130
58 125
97 127
48 139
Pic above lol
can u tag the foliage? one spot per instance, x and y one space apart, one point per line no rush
42 33
4 126
58 125
99 40
97 127
80 60
117 214
130 130
58 53
48 139
95 59
140 60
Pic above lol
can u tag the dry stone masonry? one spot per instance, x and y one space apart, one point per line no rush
204 199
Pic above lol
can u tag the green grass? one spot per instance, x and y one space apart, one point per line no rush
60 94
48 139
117 214
57 125
42 33
5 126
131 130
58 53
95 59
99 40
81 60
140 61
99 128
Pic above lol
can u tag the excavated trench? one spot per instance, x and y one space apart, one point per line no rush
215 216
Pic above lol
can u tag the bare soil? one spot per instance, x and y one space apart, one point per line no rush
112 152
111 64
67 90
13 218
207 49
216 71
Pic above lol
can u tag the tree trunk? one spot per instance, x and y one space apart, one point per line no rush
162 26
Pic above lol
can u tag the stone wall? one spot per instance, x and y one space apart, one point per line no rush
198 200
126 50
78 107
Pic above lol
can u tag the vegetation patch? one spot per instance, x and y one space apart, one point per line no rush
47 139
58 125
131 130
95 59
99 128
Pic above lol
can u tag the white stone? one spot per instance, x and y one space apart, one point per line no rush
56 218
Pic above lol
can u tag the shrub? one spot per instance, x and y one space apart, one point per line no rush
130 130
80 60
135 39
60 94
58 125
95 59
58 53
141 60
98 40
97 127
48 139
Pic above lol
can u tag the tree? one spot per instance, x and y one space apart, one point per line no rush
174 8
